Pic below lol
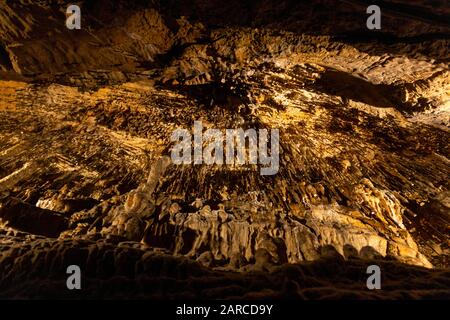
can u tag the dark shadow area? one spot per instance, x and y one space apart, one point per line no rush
32 219
124 272
217 94
350 252
254 13
347 86
411 9
5 62
430 222
369 253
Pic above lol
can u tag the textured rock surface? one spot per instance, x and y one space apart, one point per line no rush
86 118
129 270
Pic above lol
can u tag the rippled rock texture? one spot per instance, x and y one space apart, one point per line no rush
86 118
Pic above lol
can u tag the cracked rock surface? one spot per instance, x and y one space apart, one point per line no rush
86 178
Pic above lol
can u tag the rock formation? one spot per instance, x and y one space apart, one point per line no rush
86 118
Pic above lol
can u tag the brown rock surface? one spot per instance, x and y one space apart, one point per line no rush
86 118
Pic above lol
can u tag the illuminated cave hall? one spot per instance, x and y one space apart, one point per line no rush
87 176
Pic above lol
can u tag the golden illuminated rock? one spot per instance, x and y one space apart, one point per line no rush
86 118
